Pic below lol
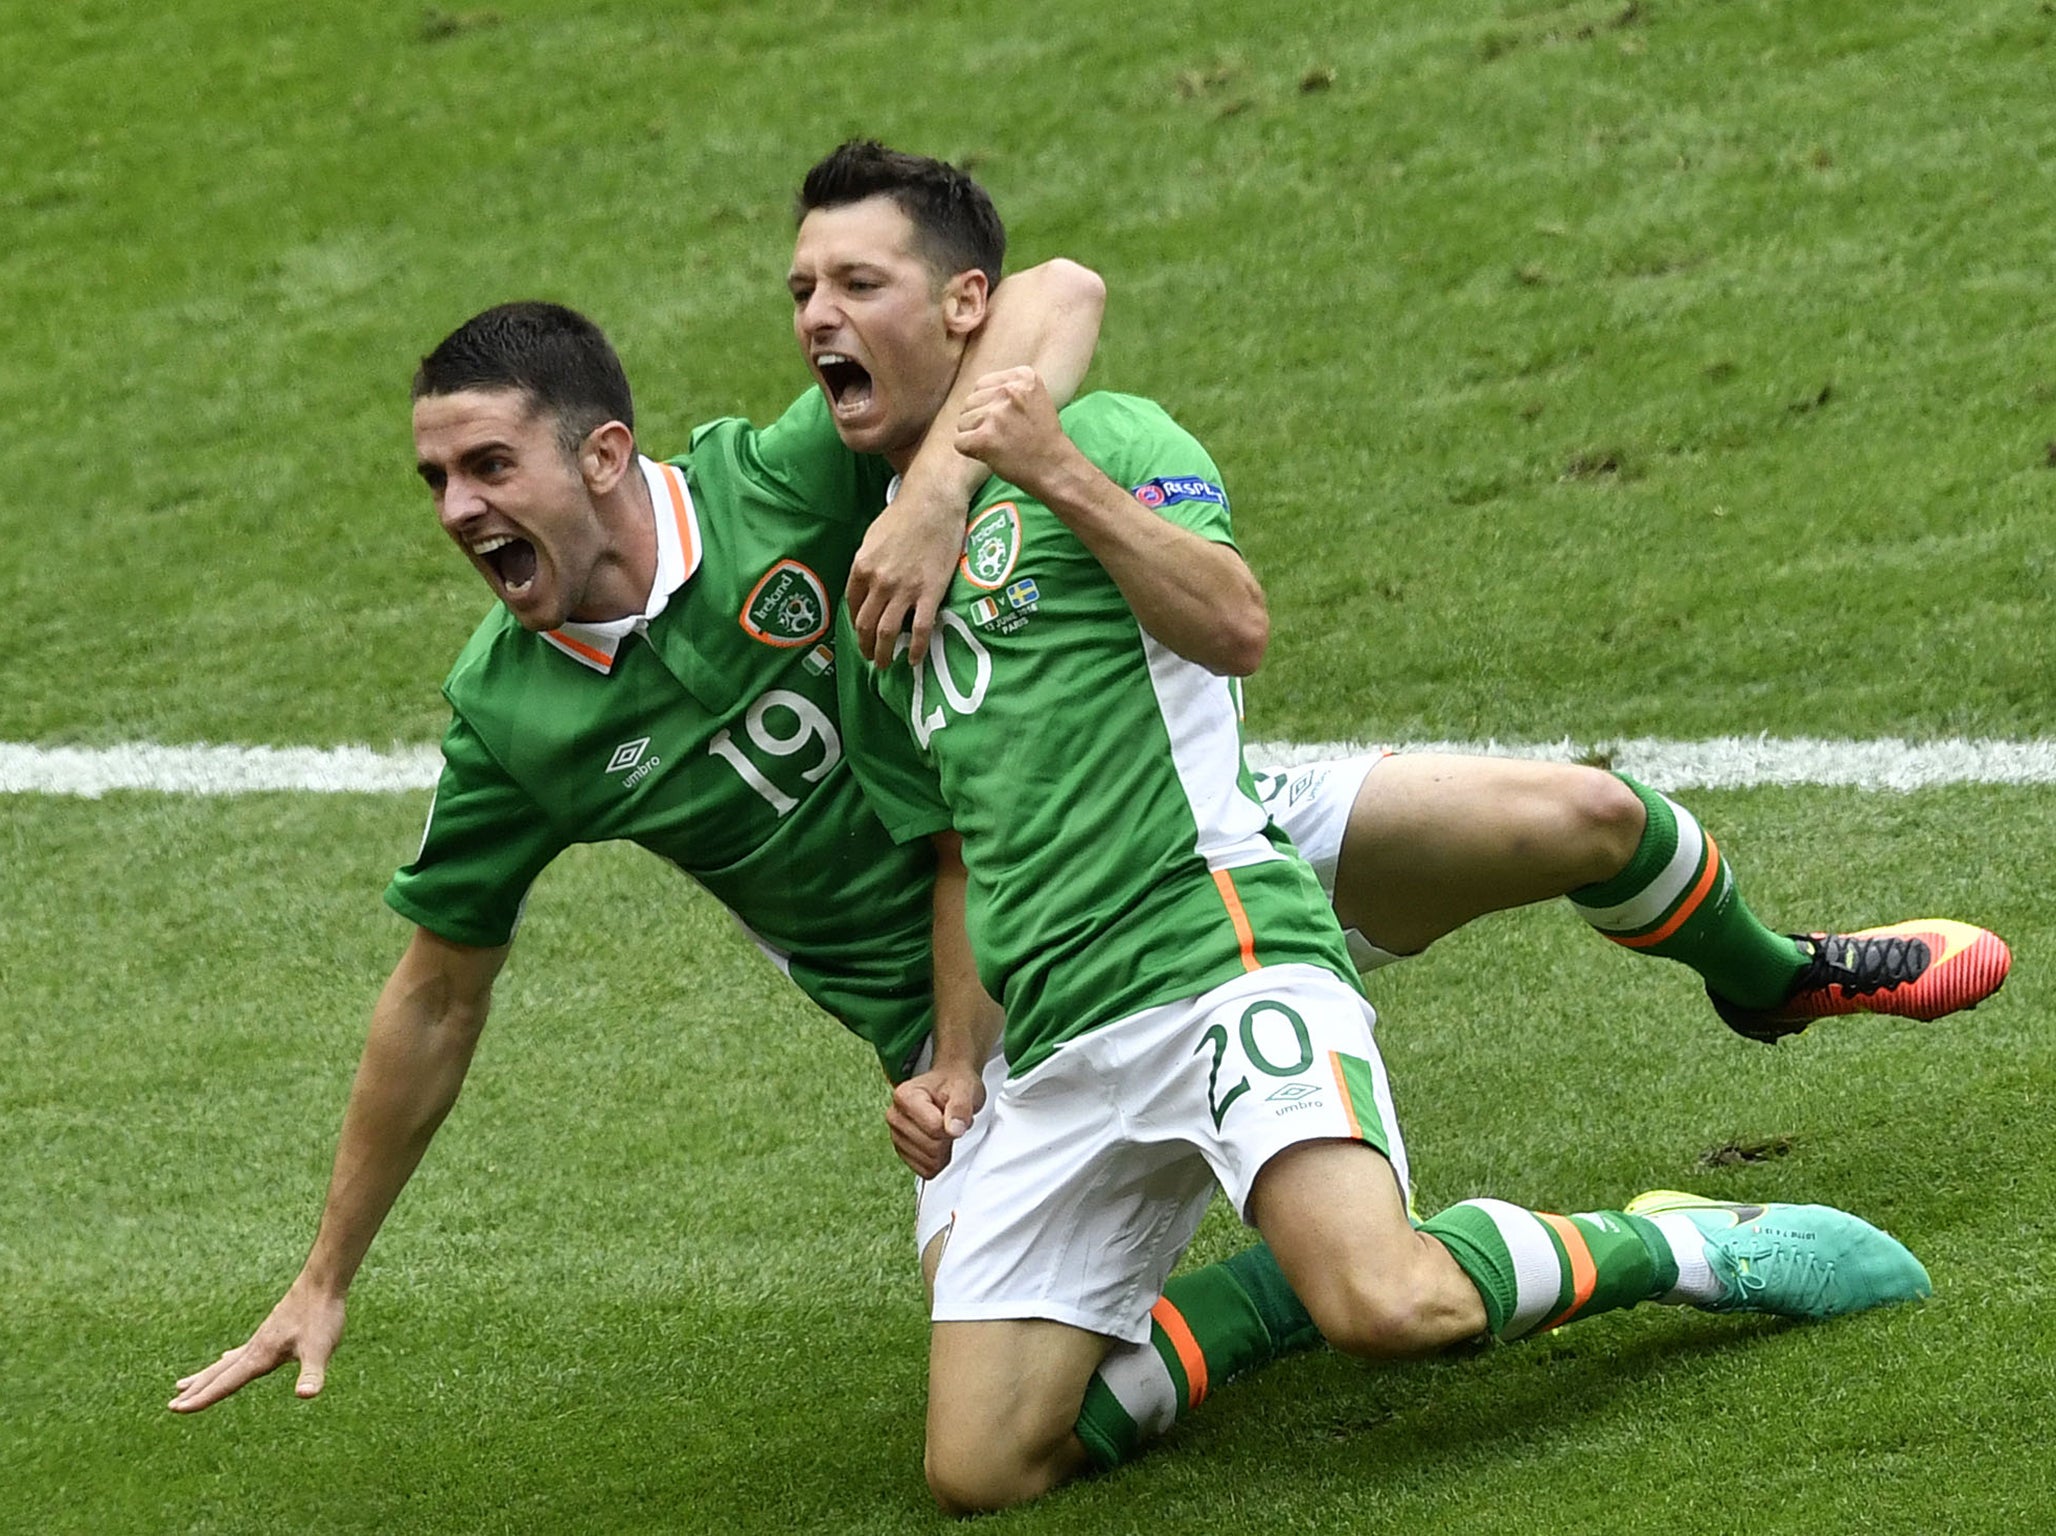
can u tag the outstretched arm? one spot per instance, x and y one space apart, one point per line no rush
423 1032
1047 318
931 1110
1196 596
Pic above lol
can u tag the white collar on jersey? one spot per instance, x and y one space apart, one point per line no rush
678 556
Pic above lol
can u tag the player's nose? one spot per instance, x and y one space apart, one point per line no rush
458 505
819 315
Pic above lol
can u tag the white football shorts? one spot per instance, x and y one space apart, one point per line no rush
1311 803
1093 1169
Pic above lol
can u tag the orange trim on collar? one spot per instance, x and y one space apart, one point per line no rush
688 545
585 653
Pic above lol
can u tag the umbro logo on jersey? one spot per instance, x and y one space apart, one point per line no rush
787 607
628 754
629 758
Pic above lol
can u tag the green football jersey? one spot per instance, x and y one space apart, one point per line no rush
705 731
1118 854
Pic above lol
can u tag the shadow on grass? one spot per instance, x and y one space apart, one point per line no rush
1417 1424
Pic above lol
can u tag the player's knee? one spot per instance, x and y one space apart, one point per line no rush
967 1479
1606 818
1377 1317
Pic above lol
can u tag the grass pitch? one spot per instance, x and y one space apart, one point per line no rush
1592 369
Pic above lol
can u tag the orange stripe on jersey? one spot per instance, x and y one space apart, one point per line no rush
1691 903
674 482
1584 1273
1239 918
1356 1128
1190 1355
598 658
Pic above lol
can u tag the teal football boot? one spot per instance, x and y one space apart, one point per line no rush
1794 1260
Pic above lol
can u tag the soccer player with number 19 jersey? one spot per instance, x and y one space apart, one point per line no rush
701 729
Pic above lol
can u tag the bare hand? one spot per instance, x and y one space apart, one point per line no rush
1009 423
928 1113
902 570
303 1326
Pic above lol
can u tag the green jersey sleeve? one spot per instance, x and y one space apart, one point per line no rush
485 843
800 457
1138 446
897 777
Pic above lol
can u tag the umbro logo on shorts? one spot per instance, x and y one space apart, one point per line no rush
1293 1091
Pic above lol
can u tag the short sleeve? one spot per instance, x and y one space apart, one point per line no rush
1138 445
895 774
801 455
485 843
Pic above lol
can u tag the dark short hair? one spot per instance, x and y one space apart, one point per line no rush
554 355
954 220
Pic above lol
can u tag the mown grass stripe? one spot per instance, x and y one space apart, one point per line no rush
1722 762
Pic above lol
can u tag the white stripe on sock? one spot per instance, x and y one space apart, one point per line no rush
1662 893
1142 1384
1538 1272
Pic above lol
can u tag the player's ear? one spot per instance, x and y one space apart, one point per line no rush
964 300
605 456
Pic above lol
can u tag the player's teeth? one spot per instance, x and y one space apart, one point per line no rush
487 546
827 358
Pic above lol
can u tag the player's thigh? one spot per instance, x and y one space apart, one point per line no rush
1437 840
1002 1399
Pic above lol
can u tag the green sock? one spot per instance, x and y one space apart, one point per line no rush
1212 1324
1535 1270
1677 898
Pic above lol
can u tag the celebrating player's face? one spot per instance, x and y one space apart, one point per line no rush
881 331
512 500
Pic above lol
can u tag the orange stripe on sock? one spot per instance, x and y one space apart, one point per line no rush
1584 1273
1697 895
1356 1128
1179 1332
1238 917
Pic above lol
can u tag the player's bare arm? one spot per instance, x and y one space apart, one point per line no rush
1047 318
423 1032
1196 596
932 1109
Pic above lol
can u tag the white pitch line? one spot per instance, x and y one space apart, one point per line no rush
1724 762
1750 762
204 770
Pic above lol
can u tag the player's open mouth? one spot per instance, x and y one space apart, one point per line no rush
847 381
512 561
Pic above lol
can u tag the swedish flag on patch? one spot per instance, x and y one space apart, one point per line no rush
1023 594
